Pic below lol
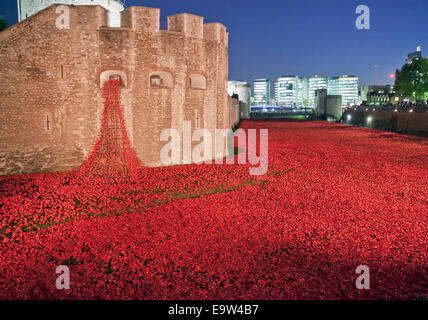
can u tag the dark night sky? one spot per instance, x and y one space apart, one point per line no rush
281 37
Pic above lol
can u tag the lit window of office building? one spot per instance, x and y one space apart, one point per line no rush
261 92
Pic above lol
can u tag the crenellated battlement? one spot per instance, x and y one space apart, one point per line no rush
147 19
188 24
216 32
141 18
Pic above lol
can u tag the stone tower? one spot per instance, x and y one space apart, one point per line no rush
51 101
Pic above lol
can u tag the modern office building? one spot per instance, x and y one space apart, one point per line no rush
261 92
303 92
315 83
286 91
243 90
345 86
294 91
377 95
414 55
27 8
291 91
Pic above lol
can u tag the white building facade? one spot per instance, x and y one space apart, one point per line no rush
315 83
261 92
243 90
291 91
345 86
27 8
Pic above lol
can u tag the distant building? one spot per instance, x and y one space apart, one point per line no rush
261 92
414 55
315 83
327 106
291 91
27 8
376 95
285 91
345 86
320 101
334 107
243 90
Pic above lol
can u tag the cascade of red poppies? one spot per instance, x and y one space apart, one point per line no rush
113 155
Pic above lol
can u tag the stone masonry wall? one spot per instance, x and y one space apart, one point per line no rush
50 91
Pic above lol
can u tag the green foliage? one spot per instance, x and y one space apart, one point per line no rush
412 80
3 23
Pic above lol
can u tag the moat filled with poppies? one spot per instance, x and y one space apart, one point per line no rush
334 197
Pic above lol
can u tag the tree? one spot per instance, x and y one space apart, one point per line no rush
3 23
412 80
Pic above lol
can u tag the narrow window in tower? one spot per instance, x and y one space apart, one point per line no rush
48 123
197 120
62 72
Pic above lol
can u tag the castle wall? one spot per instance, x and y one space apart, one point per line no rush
51 97
402 122
47 106
233 107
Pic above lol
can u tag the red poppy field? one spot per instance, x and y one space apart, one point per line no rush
335 197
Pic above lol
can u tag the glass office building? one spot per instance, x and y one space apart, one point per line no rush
315 83
345 86
261 92
303 92
291 91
